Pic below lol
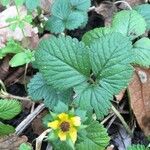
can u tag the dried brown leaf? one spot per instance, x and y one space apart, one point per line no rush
139 91
12 142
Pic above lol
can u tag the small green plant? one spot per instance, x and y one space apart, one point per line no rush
137 147
86 74
68 14
8 110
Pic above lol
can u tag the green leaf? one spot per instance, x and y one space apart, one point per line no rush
38 90
110 57
9 108
81 5
32 4
11 47
25 146
96 138
22 58
63 61
5 2
6 129
144 10
95 34
60 108
141 50
93 97
136 147
130 23
63 17
19 2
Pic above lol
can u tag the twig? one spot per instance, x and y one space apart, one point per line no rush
91 8
40 139
124 3
24 124
121 119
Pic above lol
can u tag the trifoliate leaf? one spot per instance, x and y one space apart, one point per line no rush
22 58
144 10
25 146
9 109
32 4
95 34
110 58
81 5
93 97
141 50
96 138
63 61
137 147
38 90
6 129
130 23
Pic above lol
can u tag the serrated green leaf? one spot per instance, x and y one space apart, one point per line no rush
110 58
6 129
63 61
38 90
93 97
81 5
25 146
32 4
22 58
130 23
137 147
95 34
96 138
9 109
141 50
144 10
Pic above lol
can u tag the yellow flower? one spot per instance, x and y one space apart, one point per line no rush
66 126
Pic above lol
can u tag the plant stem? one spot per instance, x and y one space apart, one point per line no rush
3 85
121 119
127 4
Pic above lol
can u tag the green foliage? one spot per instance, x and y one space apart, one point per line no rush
95 34
64 62
32 4
25 146
96 138
144 10
6 129
137 147
38 90
141 50
22 58
9 109
130 23
67 14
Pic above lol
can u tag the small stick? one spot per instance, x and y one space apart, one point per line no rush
40 139
24 124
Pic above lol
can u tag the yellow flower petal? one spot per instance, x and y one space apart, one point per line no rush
62 135
76 121
73 134
63 116
54 125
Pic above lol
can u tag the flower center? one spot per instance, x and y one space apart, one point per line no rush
65 126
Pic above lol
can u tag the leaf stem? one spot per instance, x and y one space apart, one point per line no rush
127 4
2 85
121 119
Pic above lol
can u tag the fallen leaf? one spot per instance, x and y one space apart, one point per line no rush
139 91
46 5
120 96
12 142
